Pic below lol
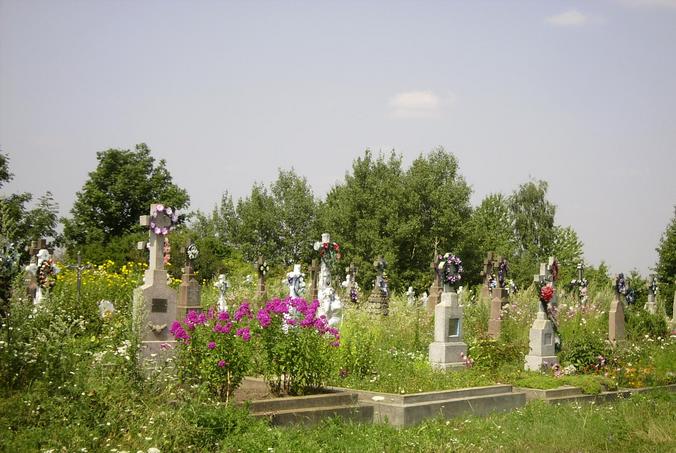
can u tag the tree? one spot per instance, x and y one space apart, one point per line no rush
533 226
5 175
118 191
567 248
258 228
491 227
666 265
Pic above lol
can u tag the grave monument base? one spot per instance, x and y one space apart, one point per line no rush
541 344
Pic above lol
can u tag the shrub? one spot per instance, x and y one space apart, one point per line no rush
489 353
297 347
214 348
642 324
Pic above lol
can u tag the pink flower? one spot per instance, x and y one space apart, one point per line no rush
221 363
211 345
245 333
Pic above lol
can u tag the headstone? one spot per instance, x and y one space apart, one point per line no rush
424 298
651 306
541 343
262 268
46 275
436 289
350 284
314 280
31 280
296 282
379 300
189 298
448 349
410 296
222 286
488 274
616 330
159 309
581 284
329 302
500 297
79 268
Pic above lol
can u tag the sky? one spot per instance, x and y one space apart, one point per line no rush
581 94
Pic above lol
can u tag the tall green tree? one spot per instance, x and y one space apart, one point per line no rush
666 265
491 226
258 232
567 248
104 222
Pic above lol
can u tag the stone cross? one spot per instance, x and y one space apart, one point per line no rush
156 241
222 285
79 268
651 306
295 280
489 267
410 296
330 304
435 290
381 283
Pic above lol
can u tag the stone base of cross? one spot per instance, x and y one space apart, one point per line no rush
448 351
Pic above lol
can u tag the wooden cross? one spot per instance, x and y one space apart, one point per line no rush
261 274
36 246
314 276
79 268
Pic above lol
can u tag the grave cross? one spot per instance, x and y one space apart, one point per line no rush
489 267
262 268
314 276
156 242
79 268
35 247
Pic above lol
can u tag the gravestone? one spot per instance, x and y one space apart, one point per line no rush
158 310
189 298
410 296
314 280
500 297
296 282
329 302
262 268
379 300
351 286
488 274
222 286
31 280
448 349
541 337
436 289
616 328
651 306
79 268
581 284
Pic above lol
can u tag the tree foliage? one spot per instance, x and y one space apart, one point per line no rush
118 191
666 265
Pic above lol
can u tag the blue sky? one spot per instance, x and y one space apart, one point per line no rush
580 94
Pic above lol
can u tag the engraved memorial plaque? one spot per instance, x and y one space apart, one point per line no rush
548 338
159 306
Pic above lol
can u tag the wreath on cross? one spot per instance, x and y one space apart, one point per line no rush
47 274
157 219
450 268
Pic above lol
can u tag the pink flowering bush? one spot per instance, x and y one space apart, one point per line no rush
298 348
215 348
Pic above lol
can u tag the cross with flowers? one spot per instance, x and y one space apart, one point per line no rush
160 222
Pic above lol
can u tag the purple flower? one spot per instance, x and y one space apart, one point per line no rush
243 312
223 315
178 331
245 333
211 345
221 363
264 318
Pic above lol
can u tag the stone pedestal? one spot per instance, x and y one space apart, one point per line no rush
500 298
158 312
377 303
616 320
447 349
651 306
541 343
188 294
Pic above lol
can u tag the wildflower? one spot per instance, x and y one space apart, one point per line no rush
245 333
211 345
221 363
264 318
243 312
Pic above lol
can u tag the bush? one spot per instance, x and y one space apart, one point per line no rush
642 324
297 347
489 353
214 348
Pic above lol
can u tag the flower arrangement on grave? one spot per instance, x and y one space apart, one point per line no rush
158 219
214 348
297 345
621 285
47 274
554 270
329 252
652 287
264 268
192 252
166 251
492 282
503 269
450 268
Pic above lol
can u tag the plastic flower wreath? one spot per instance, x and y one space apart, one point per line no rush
264 268
47 274
503 269
329 252
450 268
162 212
193 252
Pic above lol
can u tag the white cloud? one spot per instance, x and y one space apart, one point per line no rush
415 104
572 18
651 3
